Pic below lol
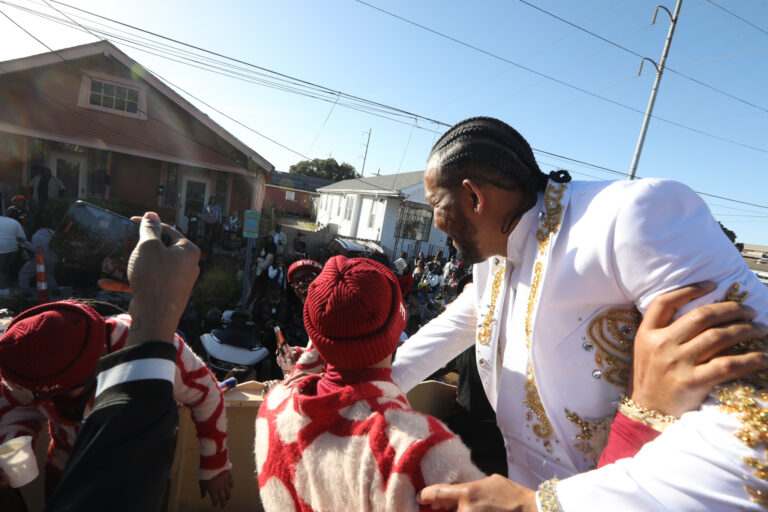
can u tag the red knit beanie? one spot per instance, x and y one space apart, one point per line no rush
53 347
354 312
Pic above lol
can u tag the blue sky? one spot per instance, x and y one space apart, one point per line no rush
350 47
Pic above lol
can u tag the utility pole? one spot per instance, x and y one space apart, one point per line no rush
362 173
659 71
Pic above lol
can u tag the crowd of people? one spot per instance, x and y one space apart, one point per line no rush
609 348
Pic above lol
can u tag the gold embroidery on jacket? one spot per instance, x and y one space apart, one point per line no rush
612 333
760 377
593 438
550 224
553 208
747 403
543 428
532 301
484 333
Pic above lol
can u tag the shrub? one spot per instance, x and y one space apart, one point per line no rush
217 288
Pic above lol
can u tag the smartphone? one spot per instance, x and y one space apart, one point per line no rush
93 243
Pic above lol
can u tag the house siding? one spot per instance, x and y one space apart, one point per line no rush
274 197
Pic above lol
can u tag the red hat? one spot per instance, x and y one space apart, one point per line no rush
53 347
18 197
310 265
354 313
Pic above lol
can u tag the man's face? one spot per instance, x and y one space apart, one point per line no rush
449 217
19 203
301 281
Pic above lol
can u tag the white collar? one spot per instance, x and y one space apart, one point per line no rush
519 235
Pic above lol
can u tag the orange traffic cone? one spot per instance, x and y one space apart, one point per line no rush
42 282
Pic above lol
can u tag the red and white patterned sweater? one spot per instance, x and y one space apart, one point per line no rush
194 386
354 445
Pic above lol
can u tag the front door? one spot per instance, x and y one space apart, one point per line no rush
70 168
194 194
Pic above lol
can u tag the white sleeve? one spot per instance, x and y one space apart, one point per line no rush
696 464
436 343
665 237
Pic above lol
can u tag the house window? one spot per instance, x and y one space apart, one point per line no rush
114 95
348 207
220 191
338 206
372 217
290 195
171 186
413 222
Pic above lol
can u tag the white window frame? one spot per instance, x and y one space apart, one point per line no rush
374 211
84 97
290 195
348 206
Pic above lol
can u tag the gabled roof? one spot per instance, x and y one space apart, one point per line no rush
109 50
390 184
298 181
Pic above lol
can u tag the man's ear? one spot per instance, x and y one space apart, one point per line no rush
471 190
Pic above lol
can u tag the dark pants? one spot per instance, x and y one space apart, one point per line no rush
6 260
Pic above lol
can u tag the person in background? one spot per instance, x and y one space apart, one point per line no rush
276 274
301 274
45 186
28 273
404 278
419 258
279 239
11 236
48 358
418 272
18 211
122 456
345 438
449 266
212 218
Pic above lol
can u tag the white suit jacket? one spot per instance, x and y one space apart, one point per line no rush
553 326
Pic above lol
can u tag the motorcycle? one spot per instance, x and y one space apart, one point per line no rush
234 344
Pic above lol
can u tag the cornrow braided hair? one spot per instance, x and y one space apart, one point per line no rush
495 152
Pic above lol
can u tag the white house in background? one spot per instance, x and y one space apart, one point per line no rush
390 210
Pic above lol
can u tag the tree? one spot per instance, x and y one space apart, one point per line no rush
730 234
328 169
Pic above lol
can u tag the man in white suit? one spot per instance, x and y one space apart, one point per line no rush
563 272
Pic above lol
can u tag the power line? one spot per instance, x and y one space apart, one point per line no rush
558 81
110 128
631 52
739 17
556 155
276 73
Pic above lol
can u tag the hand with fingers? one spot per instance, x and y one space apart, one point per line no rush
160 278
492 494
219 488
678 363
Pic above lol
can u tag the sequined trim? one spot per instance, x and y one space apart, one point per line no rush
746 403
543 428
550 224
656 420
733 295
593 437
484 333
532 301
758 378
553 208
612 333
546 496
